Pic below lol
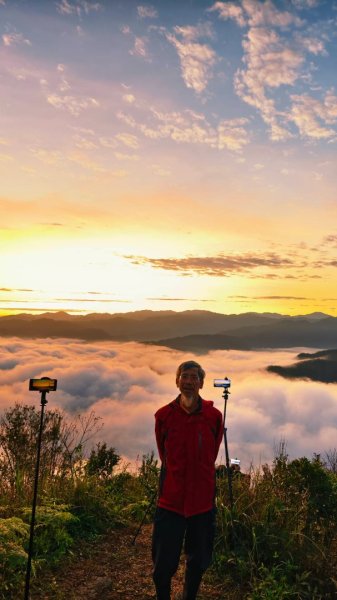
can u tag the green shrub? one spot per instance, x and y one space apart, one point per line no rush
275 584
102 461
280 539
14 534
96 505
54 531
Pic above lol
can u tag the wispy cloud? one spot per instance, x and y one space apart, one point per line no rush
84 161
15 38
197 59
266 13
305 4
84 143
74 105
129 98
147 12
16 290
124 156
48 157
281 298
312 44
6 157
240 297
192 33
311 115
93 300
255 14
216 266
330 239
77 7
232 134
274 58
64 95
166 299
140 48
129 140
229 10
270 64
191 127
159 170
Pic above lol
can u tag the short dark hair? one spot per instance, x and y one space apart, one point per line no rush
191 364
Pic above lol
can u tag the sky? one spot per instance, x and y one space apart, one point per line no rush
168 155
124 384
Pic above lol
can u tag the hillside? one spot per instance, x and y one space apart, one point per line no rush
187 330
318 366
287 332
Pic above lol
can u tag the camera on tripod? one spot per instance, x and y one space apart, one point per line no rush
223 383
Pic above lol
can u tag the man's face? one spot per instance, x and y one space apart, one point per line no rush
189 382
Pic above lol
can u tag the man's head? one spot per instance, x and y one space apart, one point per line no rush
196 369
190 379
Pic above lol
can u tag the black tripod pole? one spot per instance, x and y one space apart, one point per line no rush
36 481
229 471
144 517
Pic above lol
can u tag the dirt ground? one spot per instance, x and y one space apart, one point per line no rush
112 568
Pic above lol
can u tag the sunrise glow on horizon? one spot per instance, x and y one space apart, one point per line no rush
168 156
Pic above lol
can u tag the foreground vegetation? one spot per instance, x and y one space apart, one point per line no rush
279 541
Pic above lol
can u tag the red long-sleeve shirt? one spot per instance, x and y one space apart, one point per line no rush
188 445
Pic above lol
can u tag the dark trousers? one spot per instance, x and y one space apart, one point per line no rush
169 531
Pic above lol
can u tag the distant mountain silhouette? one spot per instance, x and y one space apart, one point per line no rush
319 366
287 332
195 330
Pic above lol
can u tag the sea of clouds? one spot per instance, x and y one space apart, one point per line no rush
125 383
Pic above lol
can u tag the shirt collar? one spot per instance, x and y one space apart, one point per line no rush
199 405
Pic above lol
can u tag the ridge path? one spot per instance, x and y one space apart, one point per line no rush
114 569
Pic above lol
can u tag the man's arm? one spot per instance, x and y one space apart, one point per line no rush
160 438
219 434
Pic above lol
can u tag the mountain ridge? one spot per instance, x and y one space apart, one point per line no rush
186 330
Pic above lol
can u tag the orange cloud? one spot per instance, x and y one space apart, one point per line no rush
125 384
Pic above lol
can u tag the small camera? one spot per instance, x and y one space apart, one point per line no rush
44 384
223 383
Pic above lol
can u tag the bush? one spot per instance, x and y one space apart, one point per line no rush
280 538
14 534
102 461
95 506
54 532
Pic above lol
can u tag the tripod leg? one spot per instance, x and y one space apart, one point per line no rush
229 472
143 519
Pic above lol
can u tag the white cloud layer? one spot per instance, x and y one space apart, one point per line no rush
125 384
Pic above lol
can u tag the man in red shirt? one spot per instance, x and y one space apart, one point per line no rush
189 431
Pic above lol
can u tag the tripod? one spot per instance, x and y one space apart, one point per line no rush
44 385
229 471
36 481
